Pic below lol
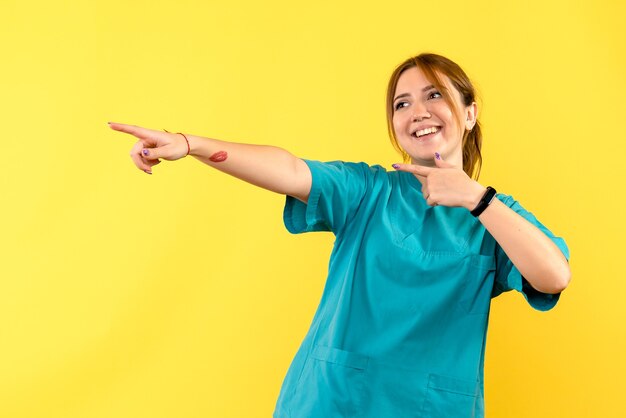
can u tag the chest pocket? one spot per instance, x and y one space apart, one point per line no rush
434 231
442 242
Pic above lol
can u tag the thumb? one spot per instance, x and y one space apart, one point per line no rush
164 152
439 162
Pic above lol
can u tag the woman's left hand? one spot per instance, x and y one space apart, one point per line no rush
445 185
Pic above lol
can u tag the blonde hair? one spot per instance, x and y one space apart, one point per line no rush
432 65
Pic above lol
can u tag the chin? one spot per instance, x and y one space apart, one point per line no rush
427 156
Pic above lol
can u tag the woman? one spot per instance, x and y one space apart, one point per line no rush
419 253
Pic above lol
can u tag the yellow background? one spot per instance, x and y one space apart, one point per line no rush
181 294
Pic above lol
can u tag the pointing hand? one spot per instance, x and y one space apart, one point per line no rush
445 185
152 145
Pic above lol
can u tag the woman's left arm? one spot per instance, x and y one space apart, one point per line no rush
537 258
532 252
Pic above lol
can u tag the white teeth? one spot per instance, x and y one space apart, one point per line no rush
426 131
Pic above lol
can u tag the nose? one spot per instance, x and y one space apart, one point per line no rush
420 112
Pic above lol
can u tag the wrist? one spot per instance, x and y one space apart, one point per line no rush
195 144
186 139
475 193
485 201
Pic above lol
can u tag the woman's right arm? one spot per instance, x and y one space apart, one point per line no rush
269 167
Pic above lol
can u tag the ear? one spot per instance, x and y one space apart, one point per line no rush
471 114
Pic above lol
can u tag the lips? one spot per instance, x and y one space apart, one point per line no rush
425 136
425 130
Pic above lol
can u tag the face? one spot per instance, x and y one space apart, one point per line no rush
425 124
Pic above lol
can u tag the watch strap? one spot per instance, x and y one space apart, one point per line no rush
485 201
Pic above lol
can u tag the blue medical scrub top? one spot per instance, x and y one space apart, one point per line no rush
401 328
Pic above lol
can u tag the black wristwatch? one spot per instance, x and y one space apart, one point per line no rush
485 201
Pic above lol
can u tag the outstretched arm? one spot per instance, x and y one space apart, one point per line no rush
269 167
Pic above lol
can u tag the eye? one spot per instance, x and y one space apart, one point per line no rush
434 92
397 106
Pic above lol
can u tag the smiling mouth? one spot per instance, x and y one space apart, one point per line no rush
426 133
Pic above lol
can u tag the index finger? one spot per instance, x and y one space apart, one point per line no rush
419 170
129 129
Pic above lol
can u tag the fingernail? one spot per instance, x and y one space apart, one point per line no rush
437 156
396 166
148 172
145 152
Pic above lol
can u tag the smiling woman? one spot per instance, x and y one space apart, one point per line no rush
445 98
420 251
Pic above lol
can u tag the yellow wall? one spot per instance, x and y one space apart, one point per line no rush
181 294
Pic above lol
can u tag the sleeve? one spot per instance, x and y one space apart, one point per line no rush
337 190
508 276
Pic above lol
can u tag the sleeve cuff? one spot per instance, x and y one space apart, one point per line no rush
300 217
538 300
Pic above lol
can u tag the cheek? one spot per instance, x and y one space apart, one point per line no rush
449 119
444 112
399 122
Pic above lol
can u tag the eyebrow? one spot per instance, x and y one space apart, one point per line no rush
425 89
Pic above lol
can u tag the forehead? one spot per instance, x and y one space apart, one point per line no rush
414 80
412 77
